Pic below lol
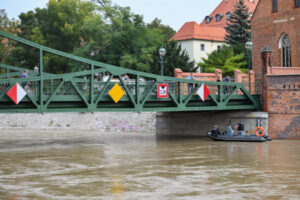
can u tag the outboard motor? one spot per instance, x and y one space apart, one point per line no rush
267 137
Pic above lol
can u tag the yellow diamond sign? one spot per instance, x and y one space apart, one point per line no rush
116 93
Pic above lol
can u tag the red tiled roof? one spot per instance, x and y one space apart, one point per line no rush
225 7
213 30
192 30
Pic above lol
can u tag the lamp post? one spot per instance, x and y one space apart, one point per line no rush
248 46
162 53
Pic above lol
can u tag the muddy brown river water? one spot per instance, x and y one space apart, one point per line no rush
91 165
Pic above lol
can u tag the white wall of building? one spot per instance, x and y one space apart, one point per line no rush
193 48
188 45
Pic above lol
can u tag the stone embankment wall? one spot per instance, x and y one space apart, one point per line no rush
143 122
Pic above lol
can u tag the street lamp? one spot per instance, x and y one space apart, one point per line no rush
249 46
162 53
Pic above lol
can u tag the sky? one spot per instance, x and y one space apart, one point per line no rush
172 12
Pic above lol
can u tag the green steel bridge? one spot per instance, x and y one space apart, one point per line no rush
89 90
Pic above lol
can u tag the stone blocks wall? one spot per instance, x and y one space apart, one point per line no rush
283 105
199 123
107 121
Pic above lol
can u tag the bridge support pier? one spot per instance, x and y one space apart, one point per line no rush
198 123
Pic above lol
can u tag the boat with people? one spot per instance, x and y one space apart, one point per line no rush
260 134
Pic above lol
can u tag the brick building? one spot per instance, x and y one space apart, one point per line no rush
276 61
277 23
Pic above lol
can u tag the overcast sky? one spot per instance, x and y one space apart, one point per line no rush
172 12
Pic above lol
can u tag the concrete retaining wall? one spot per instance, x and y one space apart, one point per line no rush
198 123
144 122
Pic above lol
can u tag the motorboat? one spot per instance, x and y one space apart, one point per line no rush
229 135
237 138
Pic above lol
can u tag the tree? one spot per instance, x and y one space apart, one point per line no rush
57 26
238 27
9 26
175 58
122 39
125 40
103 3
97 30
224 59
4 21
166 30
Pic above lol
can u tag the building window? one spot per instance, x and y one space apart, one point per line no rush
202 47
275 5
297 3
208 19
228 15
285 45
218 17
218 47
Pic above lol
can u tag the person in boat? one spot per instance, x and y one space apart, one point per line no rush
215 131
240 128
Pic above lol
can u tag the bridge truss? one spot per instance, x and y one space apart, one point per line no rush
84 91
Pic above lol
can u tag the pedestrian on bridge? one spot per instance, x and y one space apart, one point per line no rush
218 80
226 87
190 85
24 75
36 69
126 78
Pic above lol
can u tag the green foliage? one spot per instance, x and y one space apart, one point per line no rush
238 28
97 30
165 30
57 26
9 26
235 62
4 21
125 40
224 59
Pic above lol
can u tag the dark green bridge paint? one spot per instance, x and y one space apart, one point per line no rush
81 92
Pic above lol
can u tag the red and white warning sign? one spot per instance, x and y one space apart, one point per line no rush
162 90
203 92
16 93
